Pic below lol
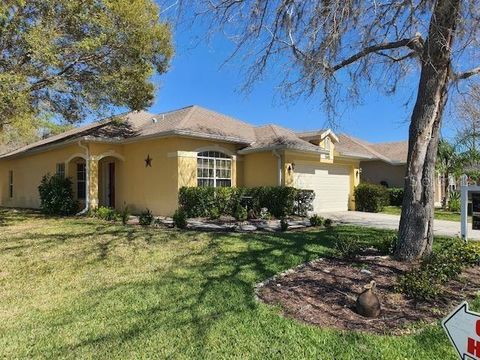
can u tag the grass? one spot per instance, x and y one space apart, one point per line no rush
440 214
82 288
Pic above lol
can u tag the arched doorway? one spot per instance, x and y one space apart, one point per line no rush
107 181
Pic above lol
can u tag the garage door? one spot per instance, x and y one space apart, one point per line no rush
331 184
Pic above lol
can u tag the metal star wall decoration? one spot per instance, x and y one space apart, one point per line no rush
148 161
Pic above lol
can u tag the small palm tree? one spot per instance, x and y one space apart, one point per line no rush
449 162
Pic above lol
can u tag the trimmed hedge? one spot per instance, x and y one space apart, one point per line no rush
395 196
280 201
371 197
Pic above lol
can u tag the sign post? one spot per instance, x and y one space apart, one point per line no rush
463 329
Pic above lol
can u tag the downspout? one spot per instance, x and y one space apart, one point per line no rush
87 180
279 166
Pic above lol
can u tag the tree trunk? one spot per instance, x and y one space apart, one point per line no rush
416 222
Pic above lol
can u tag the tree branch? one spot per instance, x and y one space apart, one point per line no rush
415 43
466 74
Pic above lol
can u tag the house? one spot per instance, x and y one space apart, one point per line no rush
142 160
383 163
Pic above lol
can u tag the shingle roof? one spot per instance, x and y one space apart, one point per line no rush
96 129
195 120
396 151
203 123
273 136
391 152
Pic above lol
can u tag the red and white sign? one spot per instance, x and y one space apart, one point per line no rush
463 330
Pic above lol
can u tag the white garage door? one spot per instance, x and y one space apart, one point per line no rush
331 184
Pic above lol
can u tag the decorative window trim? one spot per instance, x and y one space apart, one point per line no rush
214 168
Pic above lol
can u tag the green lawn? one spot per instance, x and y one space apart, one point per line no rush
81 288
440 214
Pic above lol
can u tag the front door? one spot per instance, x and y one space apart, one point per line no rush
111 185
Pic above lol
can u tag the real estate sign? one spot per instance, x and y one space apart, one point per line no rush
463 329
476 211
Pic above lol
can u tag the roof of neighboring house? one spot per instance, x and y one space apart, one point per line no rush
391 152
195 121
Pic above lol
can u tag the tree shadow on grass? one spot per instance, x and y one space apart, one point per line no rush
198 289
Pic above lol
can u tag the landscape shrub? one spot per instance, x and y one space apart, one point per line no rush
241 213
280 201
395 196
180 219
214 213
316 220
443 265
105 213
196 201
347 246
265 214
371 197
304 202
454 201
125 215
146 218
56 196
387 244
328 223
419 285
283 225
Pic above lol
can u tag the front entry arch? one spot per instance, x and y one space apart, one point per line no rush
108 168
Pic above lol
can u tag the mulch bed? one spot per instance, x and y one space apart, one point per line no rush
324 292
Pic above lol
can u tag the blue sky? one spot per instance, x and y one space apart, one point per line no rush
197 77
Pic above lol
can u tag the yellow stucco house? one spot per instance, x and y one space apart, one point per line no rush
142 160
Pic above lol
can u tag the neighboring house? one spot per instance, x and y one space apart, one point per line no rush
382 163
142 160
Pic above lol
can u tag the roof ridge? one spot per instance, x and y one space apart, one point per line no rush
187 117
272 126
310 131
175 110
389 142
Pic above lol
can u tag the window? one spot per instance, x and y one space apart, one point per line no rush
61 170
214 169
327 143
10 183
327 146
81 181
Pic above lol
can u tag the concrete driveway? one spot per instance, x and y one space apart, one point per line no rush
385 221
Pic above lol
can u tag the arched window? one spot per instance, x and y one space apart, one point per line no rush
214 168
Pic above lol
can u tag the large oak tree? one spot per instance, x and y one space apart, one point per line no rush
65 60
325 46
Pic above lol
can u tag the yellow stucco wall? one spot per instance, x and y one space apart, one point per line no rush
260 169
138 186
27 174
174 165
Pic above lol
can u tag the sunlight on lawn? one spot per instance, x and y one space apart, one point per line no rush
84 288
440 214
